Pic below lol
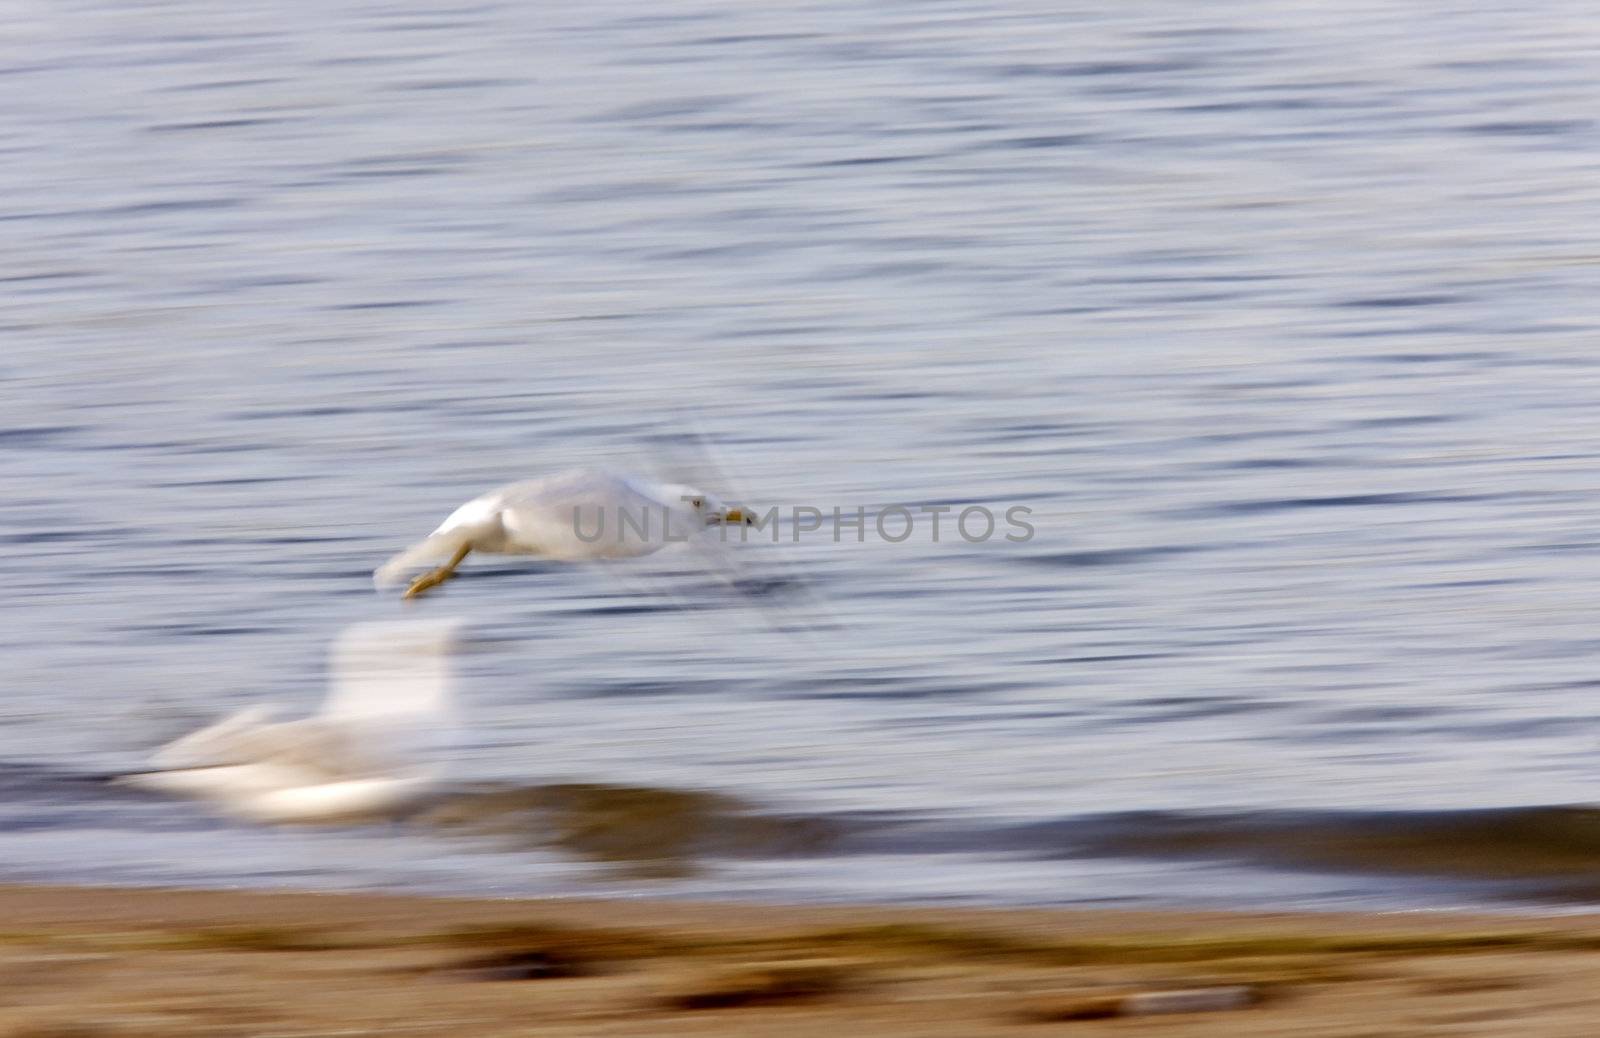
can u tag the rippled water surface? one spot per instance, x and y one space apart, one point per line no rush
1280 318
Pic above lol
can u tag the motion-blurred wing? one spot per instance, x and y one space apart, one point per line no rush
233 740
684 454
390 688
575 515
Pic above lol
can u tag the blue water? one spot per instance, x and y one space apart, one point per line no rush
1280 318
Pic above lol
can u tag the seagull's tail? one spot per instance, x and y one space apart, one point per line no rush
437 548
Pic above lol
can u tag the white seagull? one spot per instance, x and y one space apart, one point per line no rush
370 749
574 516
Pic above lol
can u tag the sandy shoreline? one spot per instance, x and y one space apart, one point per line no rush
85 962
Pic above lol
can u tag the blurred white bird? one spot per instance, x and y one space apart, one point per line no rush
372 748
574 516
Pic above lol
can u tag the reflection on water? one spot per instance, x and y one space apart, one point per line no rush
646 833
1281 323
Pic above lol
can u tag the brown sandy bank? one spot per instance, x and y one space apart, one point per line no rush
100 963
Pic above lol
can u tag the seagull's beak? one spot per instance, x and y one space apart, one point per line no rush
731 517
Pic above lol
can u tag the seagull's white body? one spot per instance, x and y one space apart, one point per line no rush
571 517
365 753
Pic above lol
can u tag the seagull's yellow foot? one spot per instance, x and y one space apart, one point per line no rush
436 577
431 579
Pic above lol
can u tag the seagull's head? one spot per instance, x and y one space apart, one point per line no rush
712 510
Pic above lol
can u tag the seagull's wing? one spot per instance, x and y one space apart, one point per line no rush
685 454
576 515
236 739
248 754
389 691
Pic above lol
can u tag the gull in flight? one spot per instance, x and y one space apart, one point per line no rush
574 516
368 751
